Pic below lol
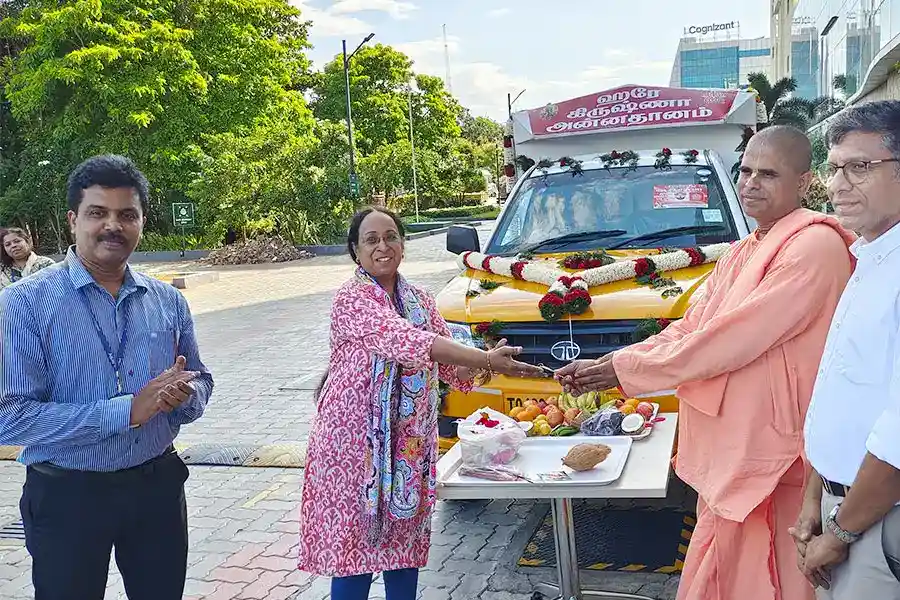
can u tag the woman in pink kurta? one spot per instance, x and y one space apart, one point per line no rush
369 483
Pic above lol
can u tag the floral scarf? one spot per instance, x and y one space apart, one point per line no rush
401 443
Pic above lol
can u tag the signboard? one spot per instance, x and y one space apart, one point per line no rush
631 106
680 196
354 184
711 28
183 214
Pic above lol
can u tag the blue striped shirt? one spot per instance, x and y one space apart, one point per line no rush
58 392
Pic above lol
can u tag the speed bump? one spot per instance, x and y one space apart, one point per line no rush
231 455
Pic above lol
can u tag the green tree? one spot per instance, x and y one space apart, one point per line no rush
380 92
480 130
146 78
784 109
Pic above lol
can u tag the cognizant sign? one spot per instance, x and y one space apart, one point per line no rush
704 29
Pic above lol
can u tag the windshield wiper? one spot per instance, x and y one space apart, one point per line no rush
667 233
581 236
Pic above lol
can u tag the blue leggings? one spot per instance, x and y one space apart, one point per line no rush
398 585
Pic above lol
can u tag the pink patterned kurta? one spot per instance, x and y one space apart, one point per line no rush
333 541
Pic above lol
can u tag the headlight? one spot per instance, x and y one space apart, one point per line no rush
462 333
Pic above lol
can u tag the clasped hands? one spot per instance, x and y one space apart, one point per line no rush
580 376
164 393
817 552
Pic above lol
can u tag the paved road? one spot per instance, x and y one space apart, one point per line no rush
263 329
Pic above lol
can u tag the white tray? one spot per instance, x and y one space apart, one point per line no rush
545 454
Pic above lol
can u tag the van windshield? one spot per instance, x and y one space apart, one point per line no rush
644 207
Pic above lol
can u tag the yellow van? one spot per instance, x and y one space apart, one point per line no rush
623 210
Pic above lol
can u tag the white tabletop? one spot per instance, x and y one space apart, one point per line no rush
646 474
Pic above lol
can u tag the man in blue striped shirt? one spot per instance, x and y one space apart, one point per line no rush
100 368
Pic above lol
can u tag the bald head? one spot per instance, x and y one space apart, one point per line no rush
790 143
775 174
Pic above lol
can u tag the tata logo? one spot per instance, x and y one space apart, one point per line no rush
565 350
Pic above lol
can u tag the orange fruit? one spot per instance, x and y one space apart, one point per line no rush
632 402
627 409
515 412
532 412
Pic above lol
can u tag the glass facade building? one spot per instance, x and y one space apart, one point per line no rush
726 64
856 44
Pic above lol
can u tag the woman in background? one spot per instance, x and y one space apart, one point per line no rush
17 257
370 477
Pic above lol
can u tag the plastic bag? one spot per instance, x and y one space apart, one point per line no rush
603 423
483 445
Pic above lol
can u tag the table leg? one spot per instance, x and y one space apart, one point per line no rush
569 587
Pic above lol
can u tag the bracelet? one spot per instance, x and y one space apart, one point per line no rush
490 369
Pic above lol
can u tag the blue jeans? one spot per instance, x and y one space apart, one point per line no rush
398 585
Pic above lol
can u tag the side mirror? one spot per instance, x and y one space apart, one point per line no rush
462 238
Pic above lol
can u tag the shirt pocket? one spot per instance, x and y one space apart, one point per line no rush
865 355
162 348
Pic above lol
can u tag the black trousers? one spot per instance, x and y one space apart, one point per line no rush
74 519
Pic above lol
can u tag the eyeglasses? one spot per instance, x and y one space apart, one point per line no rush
389 238
855 172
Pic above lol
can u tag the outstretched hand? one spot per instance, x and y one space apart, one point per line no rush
580 376
503 361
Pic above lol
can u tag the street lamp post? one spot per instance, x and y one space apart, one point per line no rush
354 183
412 146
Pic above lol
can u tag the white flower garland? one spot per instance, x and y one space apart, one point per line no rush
561 283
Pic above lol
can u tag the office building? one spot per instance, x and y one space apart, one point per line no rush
701 62
857 45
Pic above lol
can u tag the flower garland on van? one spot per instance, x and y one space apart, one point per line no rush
568 293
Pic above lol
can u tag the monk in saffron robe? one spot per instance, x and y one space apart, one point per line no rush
743 360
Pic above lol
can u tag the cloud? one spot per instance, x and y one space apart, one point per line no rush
395 8
499 12
326 23
482 86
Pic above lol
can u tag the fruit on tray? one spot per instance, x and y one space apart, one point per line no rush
645 409
555 417
584 457
633 424
516 411
564 430
553 400
627 409
571 414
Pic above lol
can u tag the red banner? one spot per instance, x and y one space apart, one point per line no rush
631 106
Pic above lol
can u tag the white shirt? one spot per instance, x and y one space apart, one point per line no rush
855 404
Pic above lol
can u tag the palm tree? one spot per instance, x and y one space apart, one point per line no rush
783 109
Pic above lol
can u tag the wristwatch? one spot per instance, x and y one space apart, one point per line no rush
842 534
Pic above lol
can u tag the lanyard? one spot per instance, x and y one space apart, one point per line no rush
115 360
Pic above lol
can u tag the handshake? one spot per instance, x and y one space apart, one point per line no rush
580 376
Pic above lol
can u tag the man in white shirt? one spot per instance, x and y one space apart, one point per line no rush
853 422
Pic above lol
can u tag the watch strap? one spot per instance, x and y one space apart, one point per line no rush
837 531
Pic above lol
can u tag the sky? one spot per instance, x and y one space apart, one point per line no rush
553 50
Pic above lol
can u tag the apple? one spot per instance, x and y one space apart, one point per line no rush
542 404
645 409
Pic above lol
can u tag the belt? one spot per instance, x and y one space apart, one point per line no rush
144 468
835 489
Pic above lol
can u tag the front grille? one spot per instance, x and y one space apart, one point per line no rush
595 338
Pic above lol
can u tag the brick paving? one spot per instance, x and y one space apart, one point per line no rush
263 333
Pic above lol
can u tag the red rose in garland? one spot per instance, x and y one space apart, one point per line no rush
517 270
577 301
697 257
551 306
643 266
615 155
482 328
486 264
666 152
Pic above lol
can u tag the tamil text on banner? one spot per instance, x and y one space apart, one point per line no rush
680 196
632 106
